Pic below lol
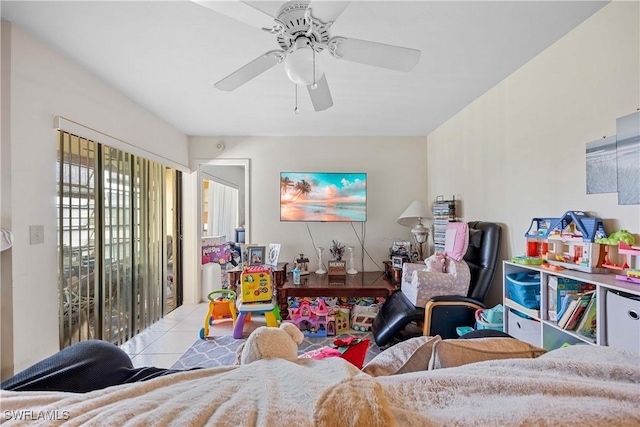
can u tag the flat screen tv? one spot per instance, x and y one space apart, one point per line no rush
323 196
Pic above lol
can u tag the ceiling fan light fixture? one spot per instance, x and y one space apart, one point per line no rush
301 64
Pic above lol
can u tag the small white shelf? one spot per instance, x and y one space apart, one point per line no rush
522 309
552 336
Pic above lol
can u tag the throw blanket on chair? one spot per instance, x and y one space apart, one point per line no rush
419 284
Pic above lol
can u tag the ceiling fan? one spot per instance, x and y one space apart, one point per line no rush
302 29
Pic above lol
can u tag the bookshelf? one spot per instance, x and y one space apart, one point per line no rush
549 334
443 212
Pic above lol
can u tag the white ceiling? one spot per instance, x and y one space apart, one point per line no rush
166 56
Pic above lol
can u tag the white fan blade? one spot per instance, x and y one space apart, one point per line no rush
249 71
372 53
239 11
327 11
271 8
320 96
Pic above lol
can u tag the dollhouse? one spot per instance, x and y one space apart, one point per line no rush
571 242
632 274
537 235
313 321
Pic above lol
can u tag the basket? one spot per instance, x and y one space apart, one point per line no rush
524 288
481 322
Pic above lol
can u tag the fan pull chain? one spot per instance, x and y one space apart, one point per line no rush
295 110
314 86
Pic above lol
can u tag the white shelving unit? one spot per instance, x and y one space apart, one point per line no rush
552 336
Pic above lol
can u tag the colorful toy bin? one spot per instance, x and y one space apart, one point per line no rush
490 318
524 289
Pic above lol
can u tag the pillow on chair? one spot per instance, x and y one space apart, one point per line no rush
420 285
457 352
456 240
411 355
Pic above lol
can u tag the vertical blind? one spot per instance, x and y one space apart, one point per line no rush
111 240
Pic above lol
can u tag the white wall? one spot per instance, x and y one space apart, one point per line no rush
396 176
44 84
518 152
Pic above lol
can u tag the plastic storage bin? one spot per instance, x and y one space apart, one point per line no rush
524 288
524 329
482 323
623 321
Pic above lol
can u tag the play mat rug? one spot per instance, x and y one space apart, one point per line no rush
221 351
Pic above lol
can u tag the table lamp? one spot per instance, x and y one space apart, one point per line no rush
412 217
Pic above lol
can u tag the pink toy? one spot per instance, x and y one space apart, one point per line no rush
321 353
312 321
362 321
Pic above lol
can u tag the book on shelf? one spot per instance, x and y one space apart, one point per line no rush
564 304
557 288
587 325
582 303
568 312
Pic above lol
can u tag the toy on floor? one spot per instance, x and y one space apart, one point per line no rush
362 321
353 350
246 308
362 317
282 343
313 320
256 296
222 305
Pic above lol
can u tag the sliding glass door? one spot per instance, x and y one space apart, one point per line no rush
117 218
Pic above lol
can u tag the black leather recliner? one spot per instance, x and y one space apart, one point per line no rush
443 314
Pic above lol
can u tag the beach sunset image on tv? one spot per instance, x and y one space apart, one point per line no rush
323 196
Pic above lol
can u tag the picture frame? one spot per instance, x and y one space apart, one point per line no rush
256 255
273 254
397 261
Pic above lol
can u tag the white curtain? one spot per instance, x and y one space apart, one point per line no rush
223 210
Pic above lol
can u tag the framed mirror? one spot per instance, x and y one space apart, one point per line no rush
223 198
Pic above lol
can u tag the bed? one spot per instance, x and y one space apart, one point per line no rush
577 385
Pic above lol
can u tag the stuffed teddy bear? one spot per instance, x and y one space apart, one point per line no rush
267 342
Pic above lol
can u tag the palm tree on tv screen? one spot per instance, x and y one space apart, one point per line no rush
285 184
301 188
295 188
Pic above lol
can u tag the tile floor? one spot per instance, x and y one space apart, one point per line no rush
165 341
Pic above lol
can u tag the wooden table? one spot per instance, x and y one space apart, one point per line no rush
362 284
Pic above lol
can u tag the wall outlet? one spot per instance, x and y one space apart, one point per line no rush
36 234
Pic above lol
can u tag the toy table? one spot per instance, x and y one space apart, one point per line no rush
245 308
